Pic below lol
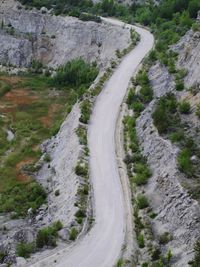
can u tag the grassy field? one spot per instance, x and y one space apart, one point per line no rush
33 109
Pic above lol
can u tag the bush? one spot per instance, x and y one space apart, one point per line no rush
198 111
81 169
196 261
75 73
80 214
47 236
179 85
142 201
177 136
140 240
22 197
85 111
165 238
25 249
73 234
164 116
140 179
57 192
184 162
196 27
184 107
3 254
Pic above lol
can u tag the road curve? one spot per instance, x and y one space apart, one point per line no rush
101 247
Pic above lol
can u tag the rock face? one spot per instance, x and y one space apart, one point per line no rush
176 212
59 175
53 40
188 49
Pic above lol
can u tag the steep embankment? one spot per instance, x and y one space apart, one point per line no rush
171 192
53 40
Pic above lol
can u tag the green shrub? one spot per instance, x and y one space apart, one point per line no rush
3 254
184 162
177 136
198 110
140 179
73 234
25 249
22 197
179 85
196 27
47 236
165 238
142 201
196 261
80 214
81 169
138 106
140 240
57 192
184 107
165 116
85 111
47 158
75 73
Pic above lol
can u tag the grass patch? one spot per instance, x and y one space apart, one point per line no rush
34 109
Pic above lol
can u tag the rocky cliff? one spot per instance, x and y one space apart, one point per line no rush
26 35
169 191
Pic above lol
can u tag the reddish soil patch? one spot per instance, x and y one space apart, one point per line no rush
21 176
12 80
19 97
47 120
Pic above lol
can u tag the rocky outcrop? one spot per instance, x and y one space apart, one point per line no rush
54 40
188 49
176 212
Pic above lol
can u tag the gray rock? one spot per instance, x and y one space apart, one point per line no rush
194 159
20 262
64 234
54 40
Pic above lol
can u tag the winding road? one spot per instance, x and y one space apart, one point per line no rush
101 247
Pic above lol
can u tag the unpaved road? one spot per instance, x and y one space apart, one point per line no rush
101 247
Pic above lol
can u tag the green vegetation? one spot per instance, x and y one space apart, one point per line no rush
165 238
25 249
140 240
142 201
184 107
45 237
20 198
86 108
165 115
82 169
76 73
196 261
198 111
167 119
48 235
73 234
34 106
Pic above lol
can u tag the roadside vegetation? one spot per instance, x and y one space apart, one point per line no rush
139 174
46 237
33 107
